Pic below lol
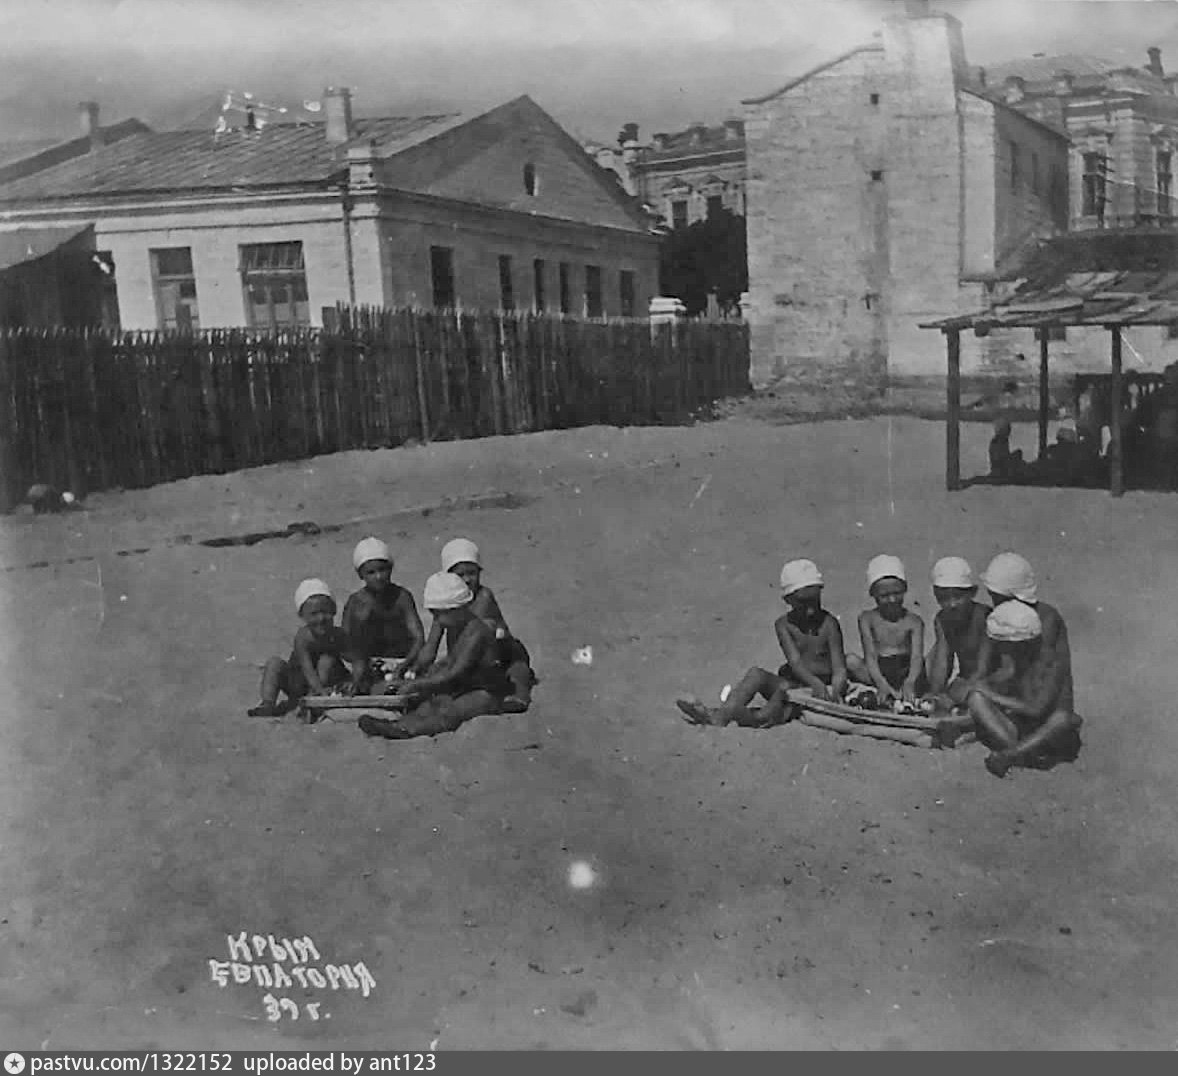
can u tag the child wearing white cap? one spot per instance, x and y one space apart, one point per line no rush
892 636
380 619
1028 719
469 682
1010 577
812 642
958 629
316 663
462 557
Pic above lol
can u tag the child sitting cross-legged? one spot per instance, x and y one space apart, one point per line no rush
1026 717
316 663
812 643
381 620
892 636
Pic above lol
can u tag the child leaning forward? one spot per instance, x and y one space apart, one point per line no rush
316 663
468 682
812 643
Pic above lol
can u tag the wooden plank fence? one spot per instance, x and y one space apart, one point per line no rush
86 410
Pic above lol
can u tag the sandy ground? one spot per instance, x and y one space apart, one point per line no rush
779 889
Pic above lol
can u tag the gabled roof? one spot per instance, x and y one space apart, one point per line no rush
278 155
715 139
19 149
997 102
842 57
29 244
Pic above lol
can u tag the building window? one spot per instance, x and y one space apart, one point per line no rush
275 283
530 179
1172 331
538 285
593 294
1035 181
1165 182
1014 167
506 285
566 288
875 98
1057 332
627 292
175 288
441 267
1095 177
679 214
876 176
715 206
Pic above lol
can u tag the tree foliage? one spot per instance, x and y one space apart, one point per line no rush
707 256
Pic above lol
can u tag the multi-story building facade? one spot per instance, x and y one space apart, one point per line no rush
883 191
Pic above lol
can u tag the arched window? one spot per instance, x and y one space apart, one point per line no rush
530 179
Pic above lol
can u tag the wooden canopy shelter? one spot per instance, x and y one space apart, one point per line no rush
1104 279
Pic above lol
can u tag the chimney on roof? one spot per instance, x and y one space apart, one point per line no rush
982 77
733 129
337 107
1063 83
697 130
88 114
628 133
1014 89
1155 62
660 140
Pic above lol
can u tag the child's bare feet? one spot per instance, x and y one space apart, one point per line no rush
947 733
998 762
696 713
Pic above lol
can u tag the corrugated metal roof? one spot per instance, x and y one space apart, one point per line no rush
276 155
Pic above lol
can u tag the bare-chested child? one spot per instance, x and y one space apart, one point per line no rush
1027 718
316 663
892 636
468 682
959 630
812 642
461 557
380 620
1010 577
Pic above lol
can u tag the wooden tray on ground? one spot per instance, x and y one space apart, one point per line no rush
883 718
355 702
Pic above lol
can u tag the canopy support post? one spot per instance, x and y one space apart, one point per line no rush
1116 462
953 412
1044 390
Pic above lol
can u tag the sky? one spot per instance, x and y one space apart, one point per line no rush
593 64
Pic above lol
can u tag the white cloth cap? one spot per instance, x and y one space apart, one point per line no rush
1011 576
444 590
952 572
311 588
460 551
370 549
798 574
1013 622
885 567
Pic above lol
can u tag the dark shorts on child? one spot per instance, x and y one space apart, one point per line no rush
786 673
895 671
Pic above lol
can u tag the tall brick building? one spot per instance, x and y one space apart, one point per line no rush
885 190
266 227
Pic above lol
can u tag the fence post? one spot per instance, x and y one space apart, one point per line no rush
419 367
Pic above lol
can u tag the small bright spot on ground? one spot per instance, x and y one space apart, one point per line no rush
581 875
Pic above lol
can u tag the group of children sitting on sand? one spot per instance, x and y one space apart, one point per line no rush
381 647
1003 673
